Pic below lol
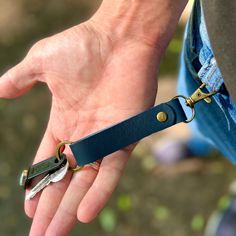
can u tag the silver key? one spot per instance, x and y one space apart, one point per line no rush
50 178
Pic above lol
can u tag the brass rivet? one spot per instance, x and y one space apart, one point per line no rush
162 116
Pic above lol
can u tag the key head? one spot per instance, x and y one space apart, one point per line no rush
60 174
49 165
43 168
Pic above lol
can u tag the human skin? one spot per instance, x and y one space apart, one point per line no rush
99 72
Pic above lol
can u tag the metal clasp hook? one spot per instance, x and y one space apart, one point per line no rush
199 95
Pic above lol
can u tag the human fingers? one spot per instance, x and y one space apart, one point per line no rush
66 214
46 149
50 198
19 79
47 205
105 183
89 188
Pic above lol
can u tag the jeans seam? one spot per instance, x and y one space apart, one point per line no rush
217 82
210 76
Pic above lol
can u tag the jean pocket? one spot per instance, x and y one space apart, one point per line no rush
210 74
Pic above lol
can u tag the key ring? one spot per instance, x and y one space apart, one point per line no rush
191 107
59 151
60 148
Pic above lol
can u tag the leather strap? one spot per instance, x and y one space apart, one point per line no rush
120 135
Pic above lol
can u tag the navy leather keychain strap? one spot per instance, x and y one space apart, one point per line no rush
118 136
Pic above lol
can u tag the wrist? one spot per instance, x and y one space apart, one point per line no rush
152 22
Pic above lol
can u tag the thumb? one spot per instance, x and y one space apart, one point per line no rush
18 80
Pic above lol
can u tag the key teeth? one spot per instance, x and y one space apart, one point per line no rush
54 177
28 197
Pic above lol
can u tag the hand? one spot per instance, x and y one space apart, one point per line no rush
96 79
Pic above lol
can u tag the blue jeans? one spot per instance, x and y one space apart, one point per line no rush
215 122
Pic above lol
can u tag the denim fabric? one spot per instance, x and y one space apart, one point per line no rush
216 122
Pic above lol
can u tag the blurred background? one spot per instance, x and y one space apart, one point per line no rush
152 198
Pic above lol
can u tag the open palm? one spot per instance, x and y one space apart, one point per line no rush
96 79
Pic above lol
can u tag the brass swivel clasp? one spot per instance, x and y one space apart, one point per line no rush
199 95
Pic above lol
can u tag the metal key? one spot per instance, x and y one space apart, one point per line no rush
50 178
44 167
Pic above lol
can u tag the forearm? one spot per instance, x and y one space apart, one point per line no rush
150 21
